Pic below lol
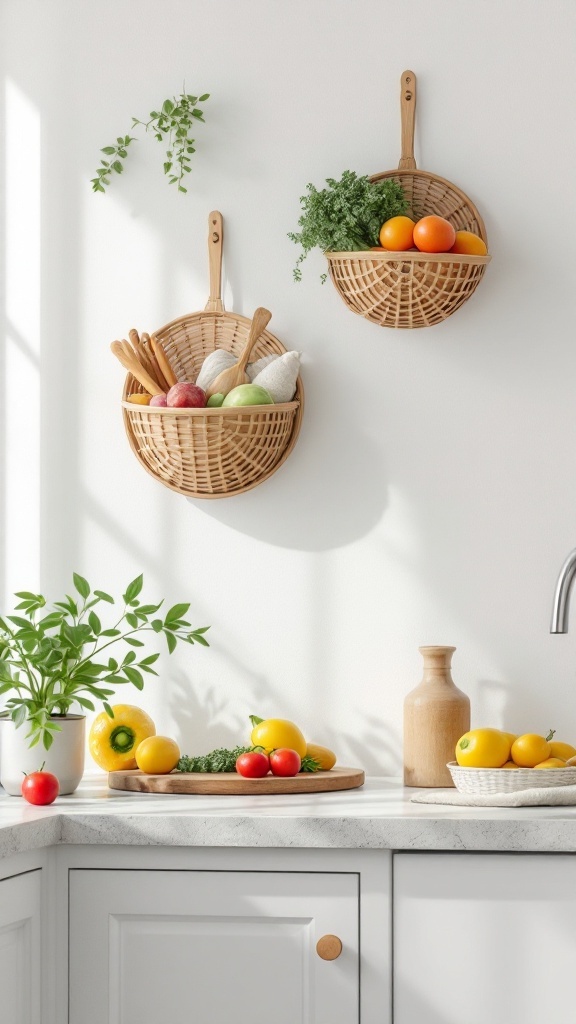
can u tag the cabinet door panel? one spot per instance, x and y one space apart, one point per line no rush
484 937
20 949
211 946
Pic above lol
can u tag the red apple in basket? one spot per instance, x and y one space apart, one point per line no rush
158 400
186 396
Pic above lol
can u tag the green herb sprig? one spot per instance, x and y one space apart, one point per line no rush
219 760
173 125
347 216
223 760
49 662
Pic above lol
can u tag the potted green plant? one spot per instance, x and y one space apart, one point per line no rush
55 662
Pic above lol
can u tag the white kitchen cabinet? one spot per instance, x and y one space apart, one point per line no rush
212 946
20 979
484 937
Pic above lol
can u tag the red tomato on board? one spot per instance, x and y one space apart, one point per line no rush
284 761
253 765
40 787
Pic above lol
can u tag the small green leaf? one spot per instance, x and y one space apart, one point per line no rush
132 620
108 710
171 641
104 597
134 676
109 150
117 166
176 612
82 586
133 589
85 703
202 99
133 642
19 715
95 624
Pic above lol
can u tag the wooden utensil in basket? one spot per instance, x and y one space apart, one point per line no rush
413 289
235 375
212 452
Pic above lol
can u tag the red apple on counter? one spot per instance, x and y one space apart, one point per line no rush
158 400
186 396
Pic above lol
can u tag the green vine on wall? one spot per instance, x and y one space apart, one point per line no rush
172 125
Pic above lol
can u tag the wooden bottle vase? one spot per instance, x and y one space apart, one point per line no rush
436 715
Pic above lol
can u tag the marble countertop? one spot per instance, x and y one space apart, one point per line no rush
378 816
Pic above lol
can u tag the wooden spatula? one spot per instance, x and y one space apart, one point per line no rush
236 374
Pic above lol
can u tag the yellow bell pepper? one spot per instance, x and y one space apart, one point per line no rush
113 741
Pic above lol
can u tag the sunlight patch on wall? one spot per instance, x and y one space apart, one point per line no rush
22 393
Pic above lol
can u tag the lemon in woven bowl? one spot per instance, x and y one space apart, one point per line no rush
483 748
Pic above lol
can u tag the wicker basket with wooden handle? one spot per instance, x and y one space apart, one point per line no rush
413 289
211 453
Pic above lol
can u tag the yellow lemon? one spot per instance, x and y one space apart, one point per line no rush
157 755
551 762
483 748
562 750
326 758
529 750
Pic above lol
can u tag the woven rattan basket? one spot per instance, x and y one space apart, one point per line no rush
211 453
487 781
413 289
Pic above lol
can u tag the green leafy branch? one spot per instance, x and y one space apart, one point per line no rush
172 125
50 662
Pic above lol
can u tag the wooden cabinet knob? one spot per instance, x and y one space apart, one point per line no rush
329 947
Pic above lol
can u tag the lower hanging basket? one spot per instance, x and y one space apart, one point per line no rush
408 289
211 453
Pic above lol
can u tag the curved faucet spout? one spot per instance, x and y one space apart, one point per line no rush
559 623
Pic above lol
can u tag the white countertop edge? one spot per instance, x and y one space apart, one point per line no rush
378 816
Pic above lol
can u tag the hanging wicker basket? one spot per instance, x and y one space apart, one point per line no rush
413 289
211 453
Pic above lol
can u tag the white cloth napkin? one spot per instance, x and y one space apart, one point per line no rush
554 796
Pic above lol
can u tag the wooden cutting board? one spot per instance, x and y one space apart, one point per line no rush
232 784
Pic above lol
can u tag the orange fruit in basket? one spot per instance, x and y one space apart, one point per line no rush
397 234
551 762
509 764
434 234
529 750
469 244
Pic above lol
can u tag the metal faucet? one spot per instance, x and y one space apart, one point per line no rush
559 623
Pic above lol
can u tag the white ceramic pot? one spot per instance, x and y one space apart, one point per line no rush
65 759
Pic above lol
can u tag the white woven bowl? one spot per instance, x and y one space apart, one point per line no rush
480 781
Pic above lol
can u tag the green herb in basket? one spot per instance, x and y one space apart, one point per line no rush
346 216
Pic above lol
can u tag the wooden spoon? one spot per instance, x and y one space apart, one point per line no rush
235 375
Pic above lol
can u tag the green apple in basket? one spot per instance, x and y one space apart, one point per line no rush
247 394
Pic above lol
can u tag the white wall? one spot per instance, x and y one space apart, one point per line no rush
431 497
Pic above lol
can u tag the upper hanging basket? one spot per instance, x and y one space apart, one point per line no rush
413 289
